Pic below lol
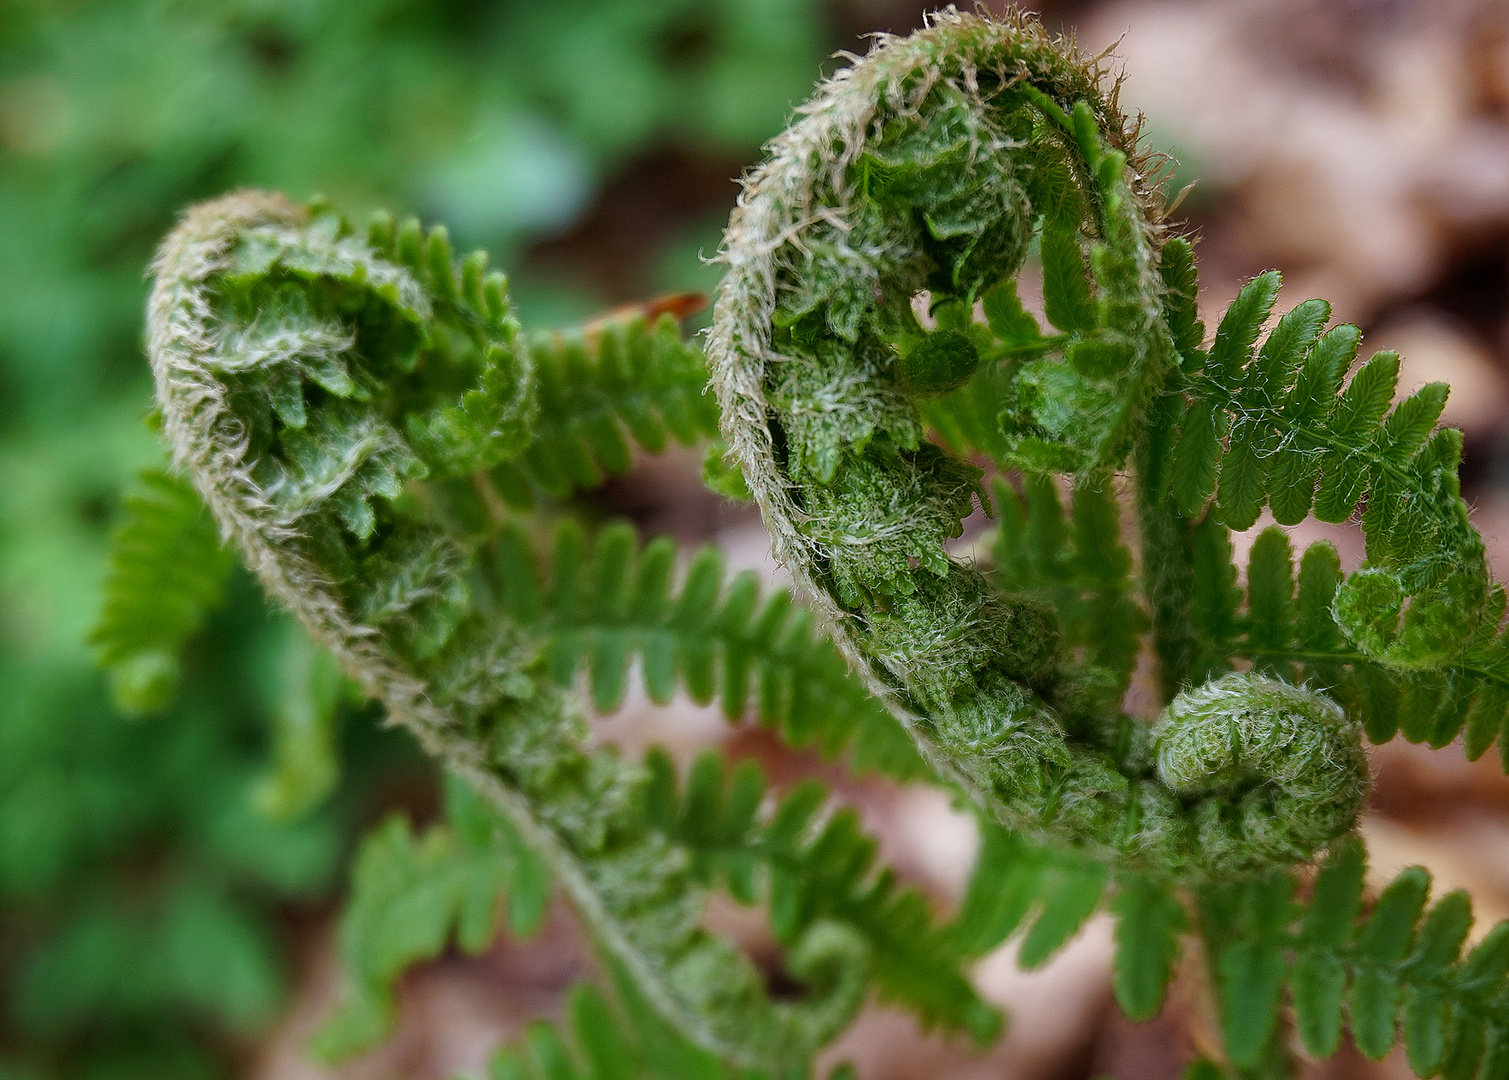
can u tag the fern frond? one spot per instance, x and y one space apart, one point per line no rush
167 570
1048 894
408 379
621 383
812 350
1019 885
604 1043
828 382
1080 567
1241 922
1012 685
1396 973
1277 427
816 871
412 895
600 1039
817 867
601 606
1287 627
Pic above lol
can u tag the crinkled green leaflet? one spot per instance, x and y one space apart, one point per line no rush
345 404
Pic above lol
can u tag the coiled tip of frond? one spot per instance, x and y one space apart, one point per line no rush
928 169
1419 631
1281 768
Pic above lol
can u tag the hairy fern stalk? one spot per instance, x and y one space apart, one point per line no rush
371 428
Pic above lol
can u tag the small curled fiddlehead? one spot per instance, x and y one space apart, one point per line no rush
1217 737
321 388
934 166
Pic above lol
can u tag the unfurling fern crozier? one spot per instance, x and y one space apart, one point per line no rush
343 402
932 168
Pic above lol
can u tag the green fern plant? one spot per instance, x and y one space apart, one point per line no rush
940 165
393 456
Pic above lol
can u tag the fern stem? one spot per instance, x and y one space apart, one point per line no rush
1497 676
1167 578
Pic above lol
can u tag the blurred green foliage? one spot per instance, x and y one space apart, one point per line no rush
148 867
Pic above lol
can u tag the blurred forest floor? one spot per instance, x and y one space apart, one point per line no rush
1361 147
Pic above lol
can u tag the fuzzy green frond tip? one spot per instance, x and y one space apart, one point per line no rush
336 398
930 170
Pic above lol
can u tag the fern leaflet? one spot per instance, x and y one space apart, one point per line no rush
305 766
604 1045
599 390
603 605
1395 973
1296 439
167 570
410 895
598 1041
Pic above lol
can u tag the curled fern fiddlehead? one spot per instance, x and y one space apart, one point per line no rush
322 389
1210 739
935 165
